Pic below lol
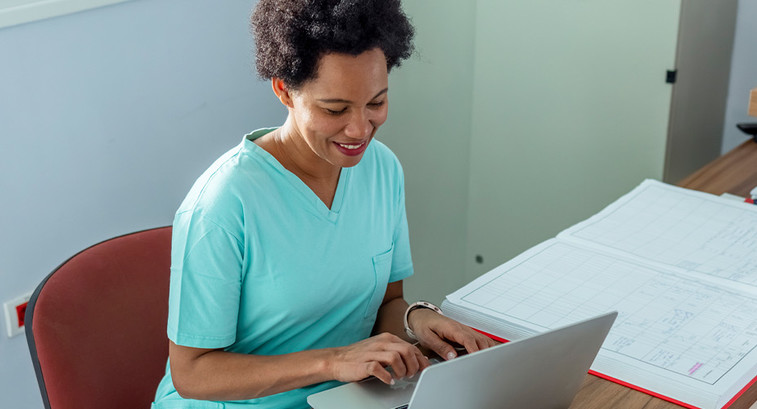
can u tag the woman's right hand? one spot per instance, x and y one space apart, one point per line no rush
369 357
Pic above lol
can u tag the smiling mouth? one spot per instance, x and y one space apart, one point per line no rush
352 149
351 146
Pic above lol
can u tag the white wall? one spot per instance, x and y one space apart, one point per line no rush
106 118
430 129
430 102
743 74
570 111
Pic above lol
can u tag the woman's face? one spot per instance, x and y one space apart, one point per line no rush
337 114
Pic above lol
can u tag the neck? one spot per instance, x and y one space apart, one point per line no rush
296 156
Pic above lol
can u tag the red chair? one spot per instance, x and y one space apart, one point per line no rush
96 326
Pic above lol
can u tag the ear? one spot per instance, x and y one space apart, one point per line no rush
282 92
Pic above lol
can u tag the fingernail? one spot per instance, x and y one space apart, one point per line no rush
451 355
392 382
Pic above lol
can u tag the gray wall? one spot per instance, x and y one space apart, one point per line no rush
429 124
106 118
743 74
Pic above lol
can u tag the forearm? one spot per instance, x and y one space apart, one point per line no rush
220 375
390 318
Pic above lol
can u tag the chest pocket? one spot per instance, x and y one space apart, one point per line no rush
382 266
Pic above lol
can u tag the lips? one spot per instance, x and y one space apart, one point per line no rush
350 146
351 149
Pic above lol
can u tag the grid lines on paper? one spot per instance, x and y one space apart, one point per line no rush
682 229
680 326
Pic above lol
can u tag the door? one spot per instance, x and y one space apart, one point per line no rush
700 93
570 111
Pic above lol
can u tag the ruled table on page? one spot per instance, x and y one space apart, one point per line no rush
685 229
677 325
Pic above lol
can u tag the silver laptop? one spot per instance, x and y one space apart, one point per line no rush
543 371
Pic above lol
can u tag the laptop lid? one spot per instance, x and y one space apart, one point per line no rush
540 372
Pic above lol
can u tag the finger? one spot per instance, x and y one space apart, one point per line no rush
412 363
490 342
482 343
413 359
493 342
396 361
411 356
424 361
465 337
377 370
421 362
437 344
486 341
471 345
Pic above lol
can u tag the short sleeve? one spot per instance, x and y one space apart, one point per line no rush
402 263
206 280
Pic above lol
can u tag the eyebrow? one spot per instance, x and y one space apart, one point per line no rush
345 101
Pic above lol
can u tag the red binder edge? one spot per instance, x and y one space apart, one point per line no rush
640 389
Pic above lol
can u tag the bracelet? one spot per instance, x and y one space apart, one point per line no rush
415 306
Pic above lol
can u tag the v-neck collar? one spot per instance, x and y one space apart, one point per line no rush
331 214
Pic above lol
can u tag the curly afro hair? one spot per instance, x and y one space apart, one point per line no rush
292 35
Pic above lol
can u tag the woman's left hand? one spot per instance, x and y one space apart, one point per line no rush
435 331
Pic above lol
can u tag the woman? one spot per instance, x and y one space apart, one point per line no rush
290 251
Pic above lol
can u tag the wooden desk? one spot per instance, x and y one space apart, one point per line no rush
735 173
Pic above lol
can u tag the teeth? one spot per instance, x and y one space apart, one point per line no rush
350 146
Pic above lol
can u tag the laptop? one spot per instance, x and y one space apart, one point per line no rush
543 371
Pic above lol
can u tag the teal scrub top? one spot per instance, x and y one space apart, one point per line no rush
260 265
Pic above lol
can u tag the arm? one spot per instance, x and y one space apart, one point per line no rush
392 311
434 331
214 374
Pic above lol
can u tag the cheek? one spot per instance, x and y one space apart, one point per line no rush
327 126
380 117
318 125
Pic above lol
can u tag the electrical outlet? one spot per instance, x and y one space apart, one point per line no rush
15 313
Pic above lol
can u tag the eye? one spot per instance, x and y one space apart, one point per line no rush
335 112
376 104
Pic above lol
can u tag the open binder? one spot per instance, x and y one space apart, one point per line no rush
679 266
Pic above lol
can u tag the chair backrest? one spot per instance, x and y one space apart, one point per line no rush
96 326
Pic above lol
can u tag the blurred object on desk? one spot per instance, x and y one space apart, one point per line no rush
749 129
734 173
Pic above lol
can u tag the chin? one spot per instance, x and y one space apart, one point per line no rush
346 159
348 163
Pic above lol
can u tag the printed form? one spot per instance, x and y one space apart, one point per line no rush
679 266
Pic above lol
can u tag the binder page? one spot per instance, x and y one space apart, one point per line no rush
674 335
678 228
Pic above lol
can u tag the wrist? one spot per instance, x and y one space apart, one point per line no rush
414 307
416 316
328 359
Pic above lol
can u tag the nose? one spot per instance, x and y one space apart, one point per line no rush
360 125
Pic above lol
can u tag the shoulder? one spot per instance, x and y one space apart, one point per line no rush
226 187
208 188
